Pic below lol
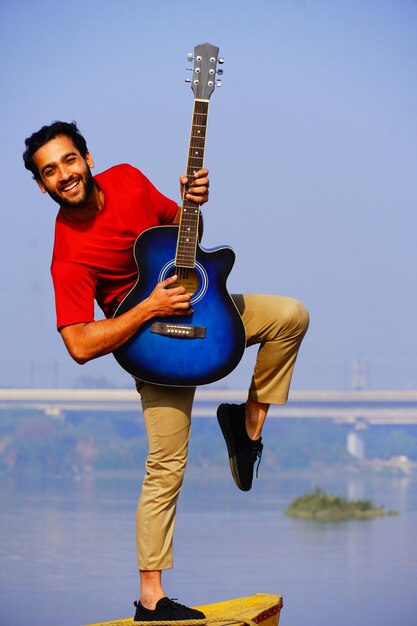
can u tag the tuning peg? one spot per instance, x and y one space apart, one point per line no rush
218 83
190 56
188 80
220 72
221 61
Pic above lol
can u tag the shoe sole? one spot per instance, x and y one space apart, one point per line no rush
227 434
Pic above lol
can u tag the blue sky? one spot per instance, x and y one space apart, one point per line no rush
311 147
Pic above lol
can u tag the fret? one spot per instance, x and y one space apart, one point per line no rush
197 141
190 212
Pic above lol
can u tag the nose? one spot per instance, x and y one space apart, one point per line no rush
63 172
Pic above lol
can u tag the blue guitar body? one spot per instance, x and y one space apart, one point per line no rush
183 351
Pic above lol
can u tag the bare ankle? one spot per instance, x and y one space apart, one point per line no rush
149 602
255 417
151 589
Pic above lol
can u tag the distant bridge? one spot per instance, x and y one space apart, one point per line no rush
349 407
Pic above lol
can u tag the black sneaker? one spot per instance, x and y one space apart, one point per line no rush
166 609
243 451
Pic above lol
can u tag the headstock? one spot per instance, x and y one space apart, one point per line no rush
203 82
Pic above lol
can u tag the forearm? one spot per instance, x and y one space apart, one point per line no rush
88 341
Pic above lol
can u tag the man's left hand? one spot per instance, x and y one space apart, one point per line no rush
196 189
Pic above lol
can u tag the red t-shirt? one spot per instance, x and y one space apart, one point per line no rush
93 259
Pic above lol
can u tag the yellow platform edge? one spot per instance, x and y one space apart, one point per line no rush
262 608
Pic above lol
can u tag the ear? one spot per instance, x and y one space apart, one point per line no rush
89 160
41 185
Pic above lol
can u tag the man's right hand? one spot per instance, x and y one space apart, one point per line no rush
167 299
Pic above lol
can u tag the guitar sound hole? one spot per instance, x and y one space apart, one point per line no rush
187 277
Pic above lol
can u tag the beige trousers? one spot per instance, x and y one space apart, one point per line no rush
278 324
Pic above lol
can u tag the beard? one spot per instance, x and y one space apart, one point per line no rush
87 182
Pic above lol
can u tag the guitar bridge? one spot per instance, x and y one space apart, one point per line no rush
179 331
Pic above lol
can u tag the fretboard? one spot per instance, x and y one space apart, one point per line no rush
190 211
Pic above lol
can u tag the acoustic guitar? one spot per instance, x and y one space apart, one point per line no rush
208 344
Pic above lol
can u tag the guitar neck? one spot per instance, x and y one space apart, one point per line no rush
190 211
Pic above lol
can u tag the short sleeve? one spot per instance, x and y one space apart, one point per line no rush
165 208
74 287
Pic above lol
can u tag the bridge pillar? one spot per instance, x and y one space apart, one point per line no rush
55 412
355 445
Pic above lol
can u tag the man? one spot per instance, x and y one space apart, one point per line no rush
97 224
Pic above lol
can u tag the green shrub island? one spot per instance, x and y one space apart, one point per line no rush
325 507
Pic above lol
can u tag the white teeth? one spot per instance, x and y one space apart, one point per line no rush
71 186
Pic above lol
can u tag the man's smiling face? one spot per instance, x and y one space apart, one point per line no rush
64 173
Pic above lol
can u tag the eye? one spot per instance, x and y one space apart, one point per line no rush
48 172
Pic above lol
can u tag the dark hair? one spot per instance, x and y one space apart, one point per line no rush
45 134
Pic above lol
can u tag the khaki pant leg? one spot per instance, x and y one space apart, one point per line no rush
278 324
167 413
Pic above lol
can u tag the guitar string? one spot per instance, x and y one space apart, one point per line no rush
197 141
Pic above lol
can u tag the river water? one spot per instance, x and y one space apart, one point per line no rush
67 554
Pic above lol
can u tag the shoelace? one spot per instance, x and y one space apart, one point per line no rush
175 605
168 602
257 449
